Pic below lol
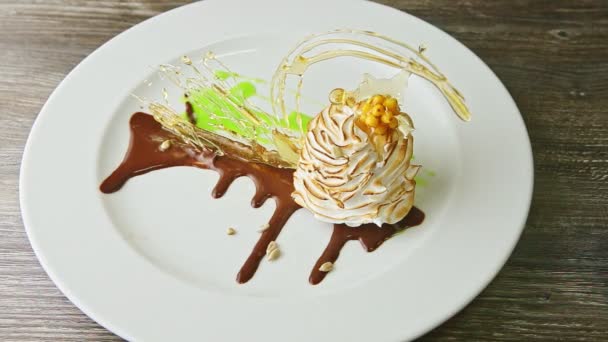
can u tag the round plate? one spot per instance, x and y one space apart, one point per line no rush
153 261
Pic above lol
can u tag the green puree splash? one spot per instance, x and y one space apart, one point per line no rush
212 110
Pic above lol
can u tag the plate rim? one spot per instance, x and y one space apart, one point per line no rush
36 127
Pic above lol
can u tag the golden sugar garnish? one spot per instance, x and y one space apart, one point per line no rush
337 96
186 60
321 47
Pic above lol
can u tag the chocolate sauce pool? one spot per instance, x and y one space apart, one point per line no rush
144 155
370 236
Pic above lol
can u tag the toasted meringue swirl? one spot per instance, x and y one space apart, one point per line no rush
346 176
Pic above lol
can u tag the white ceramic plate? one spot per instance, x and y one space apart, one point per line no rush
134 261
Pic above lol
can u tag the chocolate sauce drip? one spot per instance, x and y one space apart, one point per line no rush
370 235
190 113
270 182
144 155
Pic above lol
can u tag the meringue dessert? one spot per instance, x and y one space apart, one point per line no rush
350 165
354 167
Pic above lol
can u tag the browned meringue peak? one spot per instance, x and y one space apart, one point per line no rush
343 177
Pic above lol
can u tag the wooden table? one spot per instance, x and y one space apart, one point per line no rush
551 55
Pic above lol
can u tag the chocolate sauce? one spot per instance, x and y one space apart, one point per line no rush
269 182
370 235
190 113
144 155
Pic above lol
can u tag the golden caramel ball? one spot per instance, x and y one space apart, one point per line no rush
377 114
386 117
377 110
377 99
393 123
391 104
380 130
362 117
371 121
366 107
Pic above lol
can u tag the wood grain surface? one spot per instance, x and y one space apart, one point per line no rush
553 57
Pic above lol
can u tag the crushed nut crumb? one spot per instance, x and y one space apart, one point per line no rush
165 145
274 254
326 267
263 227
230 231
272 246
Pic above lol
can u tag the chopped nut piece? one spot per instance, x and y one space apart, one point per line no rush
263 227
326 267
274 254
272 246
230 231
165 145
272 251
